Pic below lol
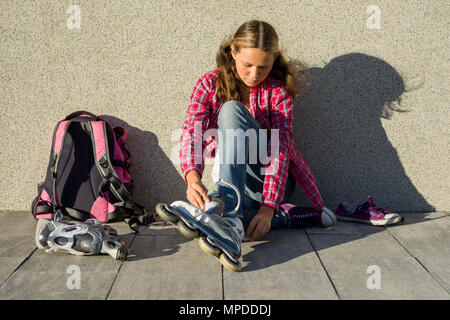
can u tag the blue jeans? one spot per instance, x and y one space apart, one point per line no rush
242 168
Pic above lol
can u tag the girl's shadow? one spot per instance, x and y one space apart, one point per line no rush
339 132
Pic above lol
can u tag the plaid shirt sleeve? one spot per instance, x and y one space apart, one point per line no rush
191 144
278 170
278 167
305 179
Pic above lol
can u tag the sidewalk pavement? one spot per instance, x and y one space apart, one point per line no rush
410 260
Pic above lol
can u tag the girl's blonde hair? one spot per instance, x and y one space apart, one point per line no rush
260 35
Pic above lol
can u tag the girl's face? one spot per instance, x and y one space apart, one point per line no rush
252 65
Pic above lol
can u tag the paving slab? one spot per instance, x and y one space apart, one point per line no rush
374 266
282 265
344 227
16 241
159 228
429 242
416 217
54 275
166 265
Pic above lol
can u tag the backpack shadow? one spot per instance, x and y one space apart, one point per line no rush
153 174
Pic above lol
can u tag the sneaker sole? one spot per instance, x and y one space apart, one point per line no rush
370 222
329 217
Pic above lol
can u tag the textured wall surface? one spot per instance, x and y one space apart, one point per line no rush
374 121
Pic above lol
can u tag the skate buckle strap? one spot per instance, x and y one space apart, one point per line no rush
197 214
145 218
233 187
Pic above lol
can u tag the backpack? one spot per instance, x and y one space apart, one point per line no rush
88 174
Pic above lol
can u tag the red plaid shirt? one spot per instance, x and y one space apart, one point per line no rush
271 106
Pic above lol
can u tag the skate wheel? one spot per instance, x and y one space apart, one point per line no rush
208 247
122 254
230 264
187 231
164 214
42 232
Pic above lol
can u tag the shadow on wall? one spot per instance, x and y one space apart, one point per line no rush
155 177
339 132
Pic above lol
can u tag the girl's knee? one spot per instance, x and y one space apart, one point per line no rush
230 110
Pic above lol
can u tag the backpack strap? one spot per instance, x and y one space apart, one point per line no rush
111 179
98 132
144 218
81 114
104 163
58 143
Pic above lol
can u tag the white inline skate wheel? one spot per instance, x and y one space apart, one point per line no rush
230 264
164 214
41 235
122 254
186 230
208 247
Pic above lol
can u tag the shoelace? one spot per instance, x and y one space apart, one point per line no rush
372 209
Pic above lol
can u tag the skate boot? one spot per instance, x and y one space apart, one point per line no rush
217 235
87 238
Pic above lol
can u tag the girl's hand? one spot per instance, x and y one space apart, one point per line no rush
260 224
197 193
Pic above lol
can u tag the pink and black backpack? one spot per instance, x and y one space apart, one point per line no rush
87 175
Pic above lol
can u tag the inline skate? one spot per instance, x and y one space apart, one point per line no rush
217 234
86 238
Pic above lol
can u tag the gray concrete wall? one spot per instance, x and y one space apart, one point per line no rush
374 121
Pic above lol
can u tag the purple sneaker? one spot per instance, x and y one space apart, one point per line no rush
304 217
366 212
